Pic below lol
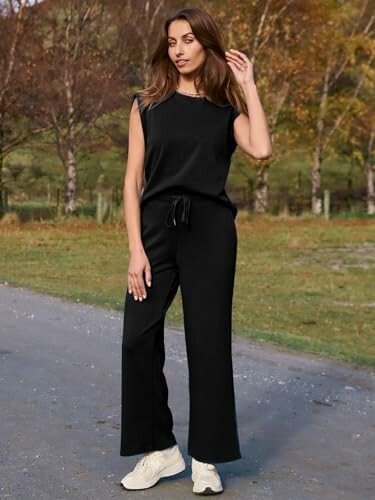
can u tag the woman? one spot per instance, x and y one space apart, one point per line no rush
183 130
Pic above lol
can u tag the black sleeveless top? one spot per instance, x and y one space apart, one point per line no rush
189 142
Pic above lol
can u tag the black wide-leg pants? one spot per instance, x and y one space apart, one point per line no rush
191 242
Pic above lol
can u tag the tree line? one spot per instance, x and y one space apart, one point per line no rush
66 64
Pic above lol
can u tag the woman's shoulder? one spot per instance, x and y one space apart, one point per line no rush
137 96
146 104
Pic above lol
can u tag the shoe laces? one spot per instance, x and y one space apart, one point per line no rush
145 460
206 466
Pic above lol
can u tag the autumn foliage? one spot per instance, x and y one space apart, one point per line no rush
69 67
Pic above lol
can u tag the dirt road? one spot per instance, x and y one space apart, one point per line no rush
307 425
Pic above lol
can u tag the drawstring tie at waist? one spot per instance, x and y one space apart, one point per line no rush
171 216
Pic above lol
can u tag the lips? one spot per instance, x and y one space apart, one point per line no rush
181 62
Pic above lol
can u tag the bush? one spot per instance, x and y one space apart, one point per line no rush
10 219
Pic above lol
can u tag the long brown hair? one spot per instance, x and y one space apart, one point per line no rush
214 77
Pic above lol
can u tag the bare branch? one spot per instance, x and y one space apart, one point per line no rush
12 52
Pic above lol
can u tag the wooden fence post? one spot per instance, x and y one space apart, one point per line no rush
326 204
59 205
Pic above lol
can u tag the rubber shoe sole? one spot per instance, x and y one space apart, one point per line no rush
208 491
206 479
167 472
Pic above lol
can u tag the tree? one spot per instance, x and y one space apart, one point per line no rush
270 33
356 139
80 75
343 53
15 75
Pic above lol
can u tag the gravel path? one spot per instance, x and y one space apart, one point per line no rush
307 425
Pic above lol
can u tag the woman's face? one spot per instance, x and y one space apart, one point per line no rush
183 45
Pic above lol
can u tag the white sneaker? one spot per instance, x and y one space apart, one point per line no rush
205 478
152 466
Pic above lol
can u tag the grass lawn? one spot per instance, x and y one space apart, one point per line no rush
302 283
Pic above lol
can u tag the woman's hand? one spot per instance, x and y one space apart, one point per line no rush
139 265
241 66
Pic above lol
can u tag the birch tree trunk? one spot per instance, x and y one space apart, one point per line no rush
72 48
71 188
316 201
261 191
71 163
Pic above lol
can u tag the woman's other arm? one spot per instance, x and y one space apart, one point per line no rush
250 133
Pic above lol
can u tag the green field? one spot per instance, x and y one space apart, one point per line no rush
301 282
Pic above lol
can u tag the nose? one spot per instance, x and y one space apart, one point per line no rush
178 49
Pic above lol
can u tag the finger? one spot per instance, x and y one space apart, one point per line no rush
148 275
130 287
237 61
135 287
240 55
231 56
232 66
140 287
235 65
